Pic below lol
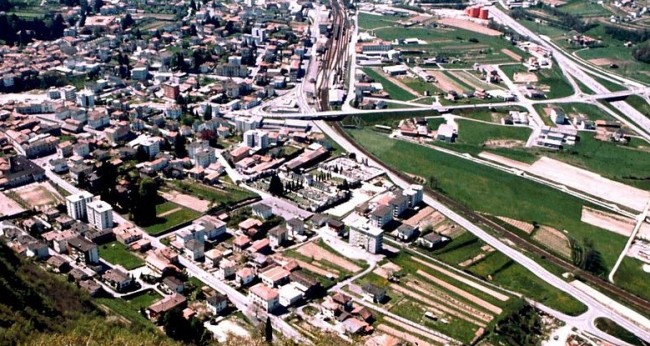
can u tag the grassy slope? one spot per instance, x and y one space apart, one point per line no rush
487 190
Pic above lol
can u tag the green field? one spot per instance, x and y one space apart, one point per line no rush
421 86
117 253
130 308
386 119
591 111
473 135
371 21
630 276
552 78
181 215
488 190
229 195
395 91
485 113
610 327
585 8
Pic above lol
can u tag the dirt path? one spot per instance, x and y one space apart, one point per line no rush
318 253
169 212
403 336
486 290
445 83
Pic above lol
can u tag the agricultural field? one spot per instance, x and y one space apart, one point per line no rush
616 53
491 191
474 137
551 81
371 21
464 44
631 276
170 215
117 253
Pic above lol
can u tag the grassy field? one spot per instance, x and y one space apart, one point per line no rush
488 190
130 308
584 9
371 21
181 215
622 56
610 327
117 253
485 113
592 112
229 195
630 276
421 86
387 119
395 91
552 78
473 135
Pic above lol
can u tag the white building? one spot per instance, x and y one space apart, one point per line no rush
264 296
366 236
69 93
289 295
76 204
256 139
100 214
86 99
414 193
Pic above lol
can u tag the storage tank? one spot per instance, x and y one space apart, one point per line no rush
484 13
474 12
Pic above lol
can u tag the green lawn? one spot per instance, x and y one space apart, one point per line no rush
117 253
584 8
230 194
395 91
622 56
552 78
631 277
473 135
421 86
130 308
488 190
171 220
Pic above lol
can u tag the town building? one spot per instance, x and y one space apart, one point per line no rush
76 205
365 235
100 214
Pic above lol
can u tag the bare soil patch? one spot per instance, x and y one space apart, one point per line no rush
425 216
554 239
504 143
402 335
466 281
416 331
445 83
469 25
511 54
318 253
609 221
591 183
315 269
601 61
387 270
524 78
38 195
457 308
8 206
169 212
186 201
504 160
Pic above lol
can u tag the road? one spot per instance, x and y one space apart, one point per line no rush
640 219
595 307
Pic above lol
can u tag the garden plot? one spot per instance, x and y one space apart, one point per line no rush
445 83
591 183
520 225
553 239
455 304
524 78
425 216
319 254
486 251
408 337
511 54
415 331
37 195
466 281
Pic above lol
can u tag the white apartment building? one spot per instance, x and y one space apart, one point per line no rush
76 204
366 236
100 214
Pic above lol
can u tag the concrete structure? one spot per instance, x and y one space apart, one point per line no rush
365 235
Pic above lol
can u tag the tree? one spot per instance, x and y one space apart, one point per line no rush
207 115
127 21
145 206
276 187
268 330
433 182
179 146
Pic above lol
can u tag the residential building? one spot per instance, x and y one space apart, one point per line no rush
277 236
381 215
262 210
414 193
295 227
174 302
194 250
256 139
374 293
83 250
100 214
76 205
289 295
244 276
217 303
275 276
117 279
366 236
264 296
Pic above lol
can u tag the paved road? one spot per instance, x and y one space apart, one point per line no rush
594 306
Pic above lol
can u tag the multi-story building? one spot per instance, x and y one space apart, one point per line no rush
86 99
414 194
69 93
100 214
256 139
366 236
171 91
76 204
264 296
83 250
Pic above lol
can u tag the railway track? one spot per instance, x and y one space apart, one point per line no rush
603 285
